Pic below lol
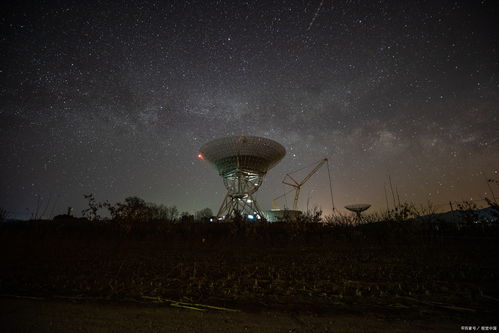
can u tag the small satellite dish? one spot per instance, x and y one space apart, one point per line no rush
357 208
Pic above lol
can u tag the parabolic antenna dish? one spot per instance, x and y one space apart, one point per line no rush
242 161
358 208
242 153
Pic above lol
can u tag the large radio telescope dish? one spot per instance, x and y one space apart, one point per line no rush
242 161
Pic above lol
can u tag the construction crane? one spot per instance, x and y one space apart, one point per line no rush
289 180
274 201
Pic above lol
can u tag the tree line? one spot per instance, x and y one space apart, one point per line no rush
137 209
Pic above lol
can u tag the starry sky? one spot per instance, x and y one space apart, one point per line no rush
115 98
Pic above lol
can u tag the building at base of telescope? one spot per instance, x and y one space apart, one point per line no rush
282 215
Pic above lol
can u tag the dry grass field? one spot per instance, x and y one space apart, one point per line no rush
412 272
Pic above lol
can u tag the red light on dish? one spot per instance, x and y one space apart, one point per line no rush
200 156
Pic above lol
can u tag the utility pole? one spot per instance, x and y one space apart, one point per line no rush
398 197
391 188
386 197
330 185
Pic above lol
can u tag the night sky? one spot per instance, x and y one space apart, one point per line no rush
115 98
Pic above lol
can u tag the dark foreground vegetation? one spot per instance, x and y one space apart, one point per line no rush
409 266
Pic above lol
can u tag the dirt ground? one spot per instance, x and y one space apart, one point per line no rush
95 277
52 315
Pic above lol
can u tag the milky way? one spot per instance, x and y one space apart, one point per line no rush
115 99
